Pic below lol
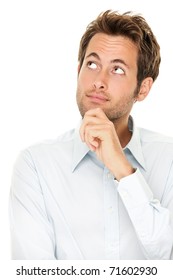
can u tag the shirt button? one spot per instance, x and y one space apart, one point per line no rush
110 209
109 175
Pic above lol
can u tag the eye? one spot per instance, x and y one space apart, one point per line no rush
91 65
118 70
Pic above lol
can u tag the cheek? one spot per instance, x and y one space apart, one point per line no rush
84 81
117 87
81 78
122 86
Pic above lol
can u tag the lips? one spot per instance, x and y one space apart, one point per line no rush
98 98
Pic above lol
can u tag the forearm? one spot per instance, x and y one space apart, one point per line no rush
120 167
151 221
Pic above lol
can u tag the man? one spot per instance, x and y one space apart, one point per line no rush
103 190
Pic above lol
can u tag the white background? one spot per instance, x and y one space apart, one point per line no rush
38 73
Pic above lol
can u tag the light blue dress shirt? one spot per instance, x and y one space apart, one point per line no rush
65 204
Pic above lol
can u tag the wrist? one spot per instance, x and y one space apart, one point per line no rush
123 171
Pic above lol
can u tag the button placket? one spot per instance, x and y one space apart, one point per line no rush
111 216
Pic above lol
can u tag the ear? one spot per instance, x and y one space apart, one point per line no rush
144 89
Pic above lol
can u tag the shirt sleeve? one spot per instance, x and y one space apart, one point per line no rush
32 236
151 220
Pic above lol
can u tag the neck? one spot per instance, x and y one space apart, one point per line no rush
122 129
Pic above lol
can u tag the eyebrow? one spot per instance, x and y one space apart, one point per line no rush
118 60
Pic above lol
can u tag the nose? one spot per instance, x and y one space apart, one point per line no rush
100 82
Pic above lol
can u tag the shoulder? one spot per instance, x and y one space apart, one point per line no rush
156 142
43 150
63 139
148 136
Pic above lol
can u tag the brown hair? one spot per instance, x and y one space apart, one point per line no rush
133 27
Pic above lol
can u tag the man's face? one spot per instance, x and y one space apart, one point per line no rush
108 76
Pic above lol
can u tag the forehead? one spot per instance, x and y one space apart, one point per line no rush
113 47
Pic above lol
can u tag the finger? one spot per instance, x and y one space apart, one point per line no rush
93 145
88 121
97 112
94 135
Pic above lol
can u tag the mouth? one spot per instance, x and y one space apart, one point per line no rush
97 98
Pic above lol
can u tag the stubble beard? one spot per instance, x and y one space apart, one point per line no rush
113 114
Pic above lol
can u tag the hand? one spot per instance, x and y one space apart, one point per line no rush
100 135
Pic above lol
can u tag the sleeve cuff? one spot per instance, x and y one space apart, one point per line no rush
134 190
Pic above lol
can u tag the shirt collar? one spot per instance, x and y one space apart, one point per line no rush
80 148
134 146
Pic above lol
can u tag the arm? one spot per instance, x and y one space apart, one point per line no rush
151 220
32 236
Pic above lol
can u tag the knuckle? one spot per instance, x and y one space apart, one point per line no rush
110 125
